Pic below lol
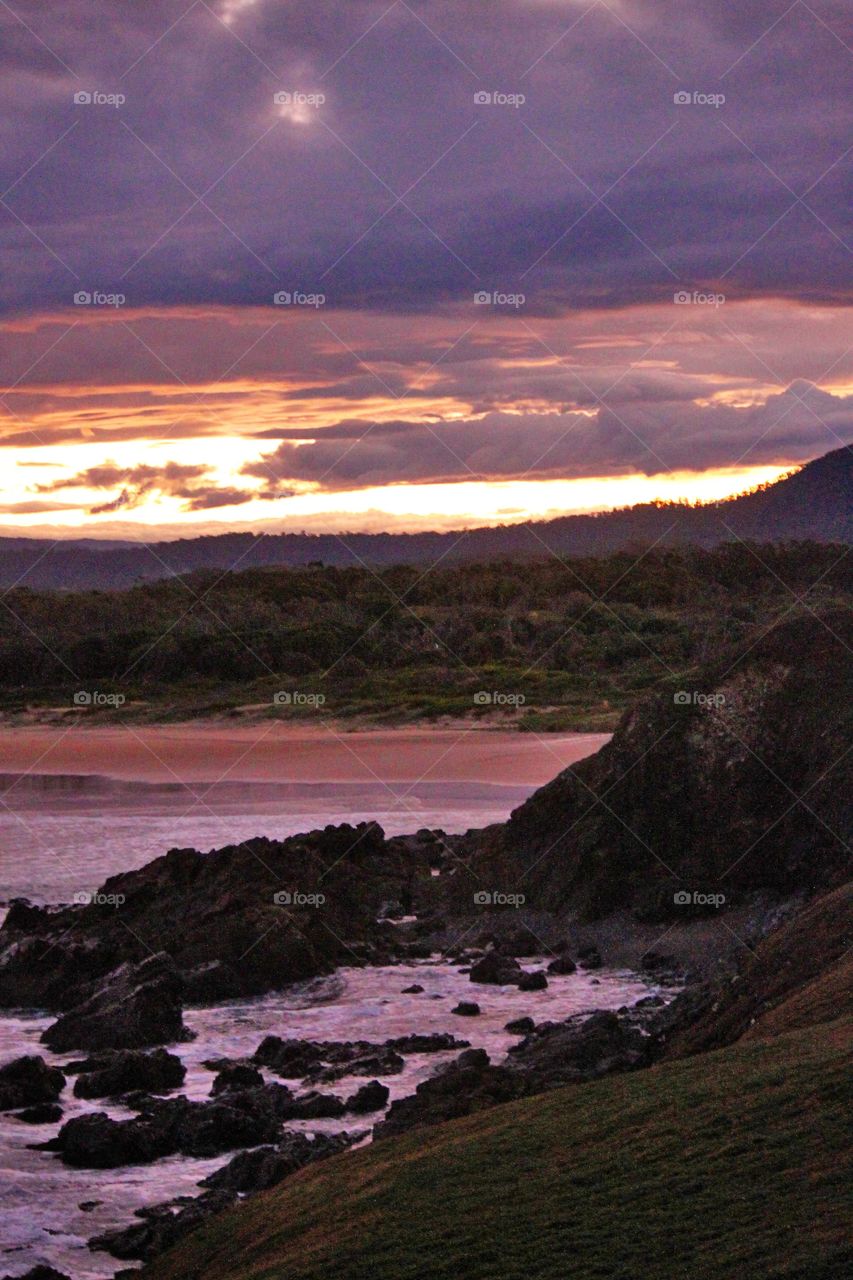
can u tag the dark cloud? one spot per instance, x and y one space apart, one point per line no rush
136 484
500 446
598 191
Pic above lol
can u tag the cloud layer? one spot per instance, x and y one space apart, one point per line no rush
378 179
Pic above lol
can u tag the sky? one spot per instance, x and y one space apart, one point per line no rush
296 264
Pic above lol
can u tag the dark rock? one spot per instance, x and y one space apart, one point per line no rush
40 1273
236 1076
161 1227
216 915
384 1062
173 1125
316 1106
126 1070
267 1166
563 964
28 1081
565 1053
292 1059
44 1113
437 1042
497 970
520 1026
469 1084
589 958
86 1206
414 990
370 1097
137 1006
533 981
467 1009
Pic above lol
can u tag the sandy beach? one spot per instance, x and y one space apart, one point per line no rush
278 752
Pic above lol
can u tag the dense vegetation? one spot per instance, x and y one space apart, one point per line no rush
561 642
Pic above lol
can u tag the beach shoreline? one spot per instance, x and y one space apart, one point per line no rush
276 751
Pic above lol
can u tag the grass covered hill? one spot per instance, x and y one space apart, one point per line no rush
554 643
735 1163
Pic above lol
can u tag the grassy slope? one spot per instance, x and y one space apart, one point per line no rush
732 1164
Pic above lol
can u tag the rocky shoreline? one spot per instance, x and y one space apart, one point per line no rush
628 856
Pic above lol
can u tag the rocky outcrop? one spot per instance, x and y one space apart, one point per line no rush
169 1126
370 1097
108 1075
238 921
496 970
158 1228
469 1084
136 1006
328 1060
734 781
29 1082
581 1049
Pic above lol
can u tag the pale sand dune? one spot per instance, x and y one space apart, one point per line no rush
278 752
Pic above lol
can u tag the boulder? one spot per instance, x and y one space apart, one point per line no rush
520 1026
469 1084
589 958
316 1106
40 1273
172 1125
436 1042
467 1009
236 1076
370 1097
267 1166
162 1226
384 1062
108 1075
581 1049
28 1081
44 1113
414 990
497 970
136 1006
533 981
563 964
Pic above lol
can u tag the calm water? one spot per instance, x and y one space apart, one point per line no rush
64 834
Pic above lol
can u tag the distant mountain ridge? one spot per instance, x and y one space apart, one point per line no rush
814 503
